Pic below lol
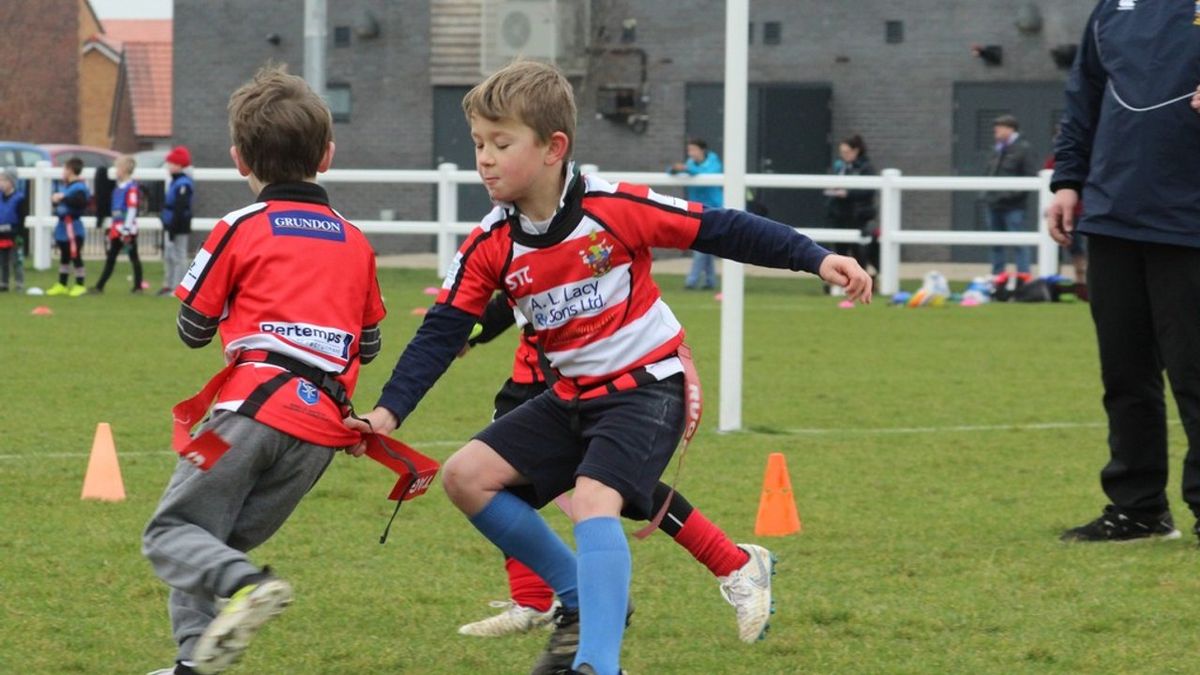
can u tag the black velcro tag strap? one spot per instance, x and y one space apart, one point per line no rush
261 393
324 381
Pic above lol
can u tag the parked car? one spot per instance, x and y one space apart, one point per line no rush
92 156
14 153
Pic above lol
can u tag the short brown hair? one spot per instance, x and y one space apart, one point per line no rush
75 165
534 94
1007 121
280 127
126 161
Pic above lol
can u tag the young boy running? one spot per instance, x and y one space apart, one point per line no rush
744 570
123 232
294 333
573 254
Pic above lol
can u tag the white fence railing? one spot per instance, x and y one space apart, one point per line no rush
891 184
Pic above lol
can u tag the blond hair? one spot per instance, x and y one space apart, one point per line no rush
280 127
534 94
127 163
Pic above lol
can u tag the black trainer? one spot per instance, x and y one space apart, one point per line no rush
559 655
1116 525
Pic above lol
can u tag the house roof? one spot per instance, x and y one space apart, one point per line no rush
146 44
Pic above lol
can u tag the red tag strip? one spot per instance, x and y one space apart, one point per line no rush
207 448
415 471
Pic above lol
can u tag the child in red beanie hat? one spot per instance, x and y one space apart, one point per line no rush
180 157
176 219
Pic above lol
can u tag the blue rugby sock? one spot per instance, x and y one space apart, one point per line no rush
517 530
604 572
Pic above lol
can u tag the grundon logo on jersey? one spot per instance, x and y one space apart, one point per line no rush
307 224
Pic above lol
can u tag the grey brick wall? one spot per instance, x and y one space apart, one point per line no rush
898 96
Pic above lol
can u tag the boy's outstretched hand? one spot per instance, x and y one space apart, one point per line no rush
844 271
378 421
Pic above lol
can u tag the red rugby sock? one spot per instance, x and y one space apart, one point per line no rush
526 588
708 544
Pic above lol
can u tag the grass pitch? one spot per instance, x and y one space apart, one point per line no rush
935 456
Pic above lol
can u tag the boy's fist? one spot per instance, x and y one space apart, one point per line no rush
840 270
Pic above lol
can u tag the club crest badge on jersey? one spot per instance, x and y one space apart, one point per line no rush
597 255
307 391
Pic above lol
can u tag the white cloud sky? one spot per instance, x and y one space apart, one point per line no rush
133 9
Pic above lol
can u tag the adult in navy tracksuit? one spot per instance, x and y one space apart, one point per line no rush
176 219
1130 147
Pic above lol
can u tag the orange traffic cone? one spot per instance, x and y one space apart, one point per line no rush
103 478
777 515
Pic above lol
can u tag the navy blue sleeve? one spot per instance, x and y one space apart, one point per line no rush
745 237
428 355
1085 92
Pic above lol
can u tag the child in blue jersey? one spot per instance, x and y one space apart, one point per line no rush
13 209
69 205
123 232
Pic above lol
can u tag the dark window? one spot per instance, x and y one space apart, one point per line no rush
772 32
341 36
751 33
894 32
338 98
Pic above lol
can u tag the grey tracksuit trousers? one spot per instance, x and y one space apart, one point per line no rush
206 521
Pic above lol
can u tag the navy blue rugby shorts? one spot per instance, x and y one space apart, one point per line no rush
624 440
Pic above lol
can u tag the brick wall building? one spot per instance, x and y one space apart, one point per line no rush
40 53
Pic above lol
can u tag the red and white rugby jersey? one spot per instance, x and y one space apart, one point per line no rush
584 286
288 275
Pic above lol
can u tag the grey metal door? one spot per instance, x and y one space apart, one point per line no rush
452 143
788 128
1037 106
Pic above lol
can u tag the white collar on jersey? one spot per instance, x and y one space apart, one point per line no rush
541 226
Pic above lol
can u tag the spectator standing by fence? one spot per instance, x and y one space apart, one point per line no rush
853 209
176 218
1130 146
13 209
701 160
1011 156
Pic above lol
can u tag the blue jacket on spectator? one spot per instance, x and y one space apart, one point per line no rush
12 214
1130 139
708 195
70 209
177 206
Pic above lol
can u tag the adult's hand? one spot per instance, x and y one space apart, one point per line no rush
1060 217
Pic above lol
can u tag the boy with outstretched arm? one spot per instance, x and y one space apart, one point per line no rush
573 253
290 286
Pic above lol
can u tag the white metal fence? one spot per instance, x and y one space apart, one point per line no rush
891 185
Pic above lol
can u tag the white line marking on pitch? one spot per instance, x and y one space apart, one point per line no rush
147 453
1037 426
965 428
